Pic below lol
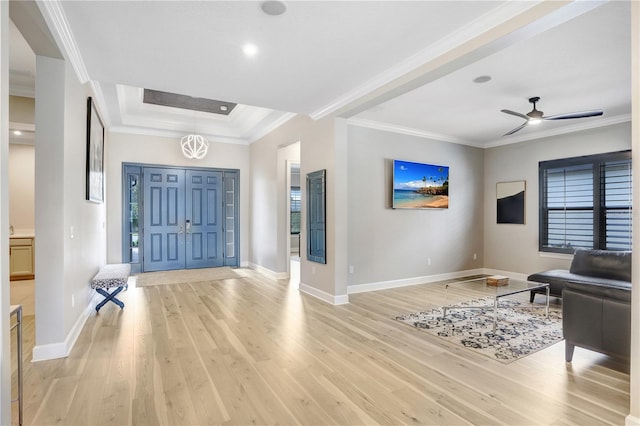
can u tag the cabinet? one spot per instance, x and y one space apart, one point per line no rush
21 258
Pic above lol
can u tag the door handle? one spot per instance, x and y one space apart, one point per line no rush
180 230
188 226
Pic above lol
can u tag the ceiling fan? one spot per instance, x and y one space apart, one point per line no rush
535 116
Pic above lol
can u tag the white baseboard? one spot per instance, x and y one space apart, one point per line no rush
384 285
63 349
268 272
341 299
632 421
244 264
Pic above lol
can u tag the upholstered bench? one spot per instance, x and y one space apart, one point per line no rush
111 276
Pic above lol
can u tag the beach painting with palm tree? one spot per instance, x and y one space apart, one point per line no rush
420 186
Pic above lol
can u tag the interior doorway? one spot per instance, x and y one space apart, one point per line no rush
295 200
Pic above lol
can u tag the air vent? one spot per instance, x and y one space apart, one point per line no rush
174 100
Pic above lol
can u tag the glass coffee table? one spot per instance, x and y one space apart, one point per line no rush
497 293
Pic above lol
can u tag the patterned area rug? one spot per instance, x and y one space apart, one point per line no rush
520 332
186 276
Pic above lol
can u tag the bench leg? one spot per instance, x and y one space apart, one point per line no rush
109 297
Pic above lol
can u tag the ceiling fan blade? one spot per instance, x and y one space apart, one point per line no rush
517 114
581 114
516 129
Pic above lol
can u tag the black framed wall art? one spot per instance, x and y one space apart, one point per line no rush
95 155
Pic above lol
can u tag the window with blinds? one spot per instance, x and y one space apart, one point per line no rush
585 202
295 209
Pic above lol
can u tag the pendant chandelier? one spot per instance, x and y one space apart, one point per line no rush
194 146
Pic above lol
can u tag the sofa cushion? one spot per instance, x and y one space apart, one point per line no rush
614 265
558 278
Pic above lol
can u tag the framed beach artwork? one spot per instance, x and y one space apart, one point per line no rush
510 202
95 155
420 186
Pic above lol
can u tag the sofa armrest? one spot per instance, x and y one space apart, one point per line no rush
611 290
592 319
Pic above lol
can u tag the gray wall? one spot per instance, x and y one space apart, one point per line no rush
386 244
514 248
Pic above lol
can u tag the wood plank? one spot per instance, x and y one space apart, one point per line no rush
253 350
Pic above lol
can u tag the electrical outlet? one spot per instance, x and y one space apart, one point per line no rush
73 300
475 256
71 234
313 270
428 261
351 269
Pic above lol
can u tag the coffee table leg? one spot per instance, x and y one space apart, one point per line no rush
547 307
495 313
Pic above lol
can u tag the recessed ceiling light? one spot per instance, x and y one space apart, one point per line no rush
17 132
482 79
273 8
250 49
223 107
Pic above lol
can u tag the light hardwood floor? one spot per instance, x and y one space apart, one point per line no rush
256 351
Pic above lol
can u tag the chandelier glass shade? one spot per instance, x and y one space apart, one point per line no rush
194 146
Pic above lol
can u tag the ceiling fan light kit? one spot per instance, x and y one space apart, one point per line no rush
535 117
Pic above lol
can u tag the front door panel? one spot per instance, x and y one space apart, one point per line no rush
164 237
204 236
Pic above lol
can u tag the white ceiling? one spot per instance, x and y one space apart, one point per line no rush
320 55
584 64
22 65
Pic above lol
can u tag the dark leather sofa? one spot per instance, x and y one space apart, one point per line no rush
596 301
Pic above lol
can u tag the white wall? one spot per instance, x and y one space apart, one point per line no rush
130 148
514 248
386 244
22 188
316 153
71 244
5 323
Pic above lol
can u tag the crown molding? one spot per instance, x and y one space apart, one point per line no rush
468 32
25 127
101 102
594 124
22 91
133 130
260 133
587 125
54 15
388 127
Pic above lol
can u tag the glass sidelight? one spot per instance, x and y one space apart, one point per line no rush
131 217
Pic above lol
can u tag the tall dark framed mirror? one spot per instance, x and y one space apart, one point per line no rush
316 217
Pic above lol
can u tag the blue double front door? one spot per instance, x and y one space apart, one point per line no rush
184 219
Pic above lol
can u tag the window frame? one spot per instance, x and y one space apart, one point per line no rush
599 208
